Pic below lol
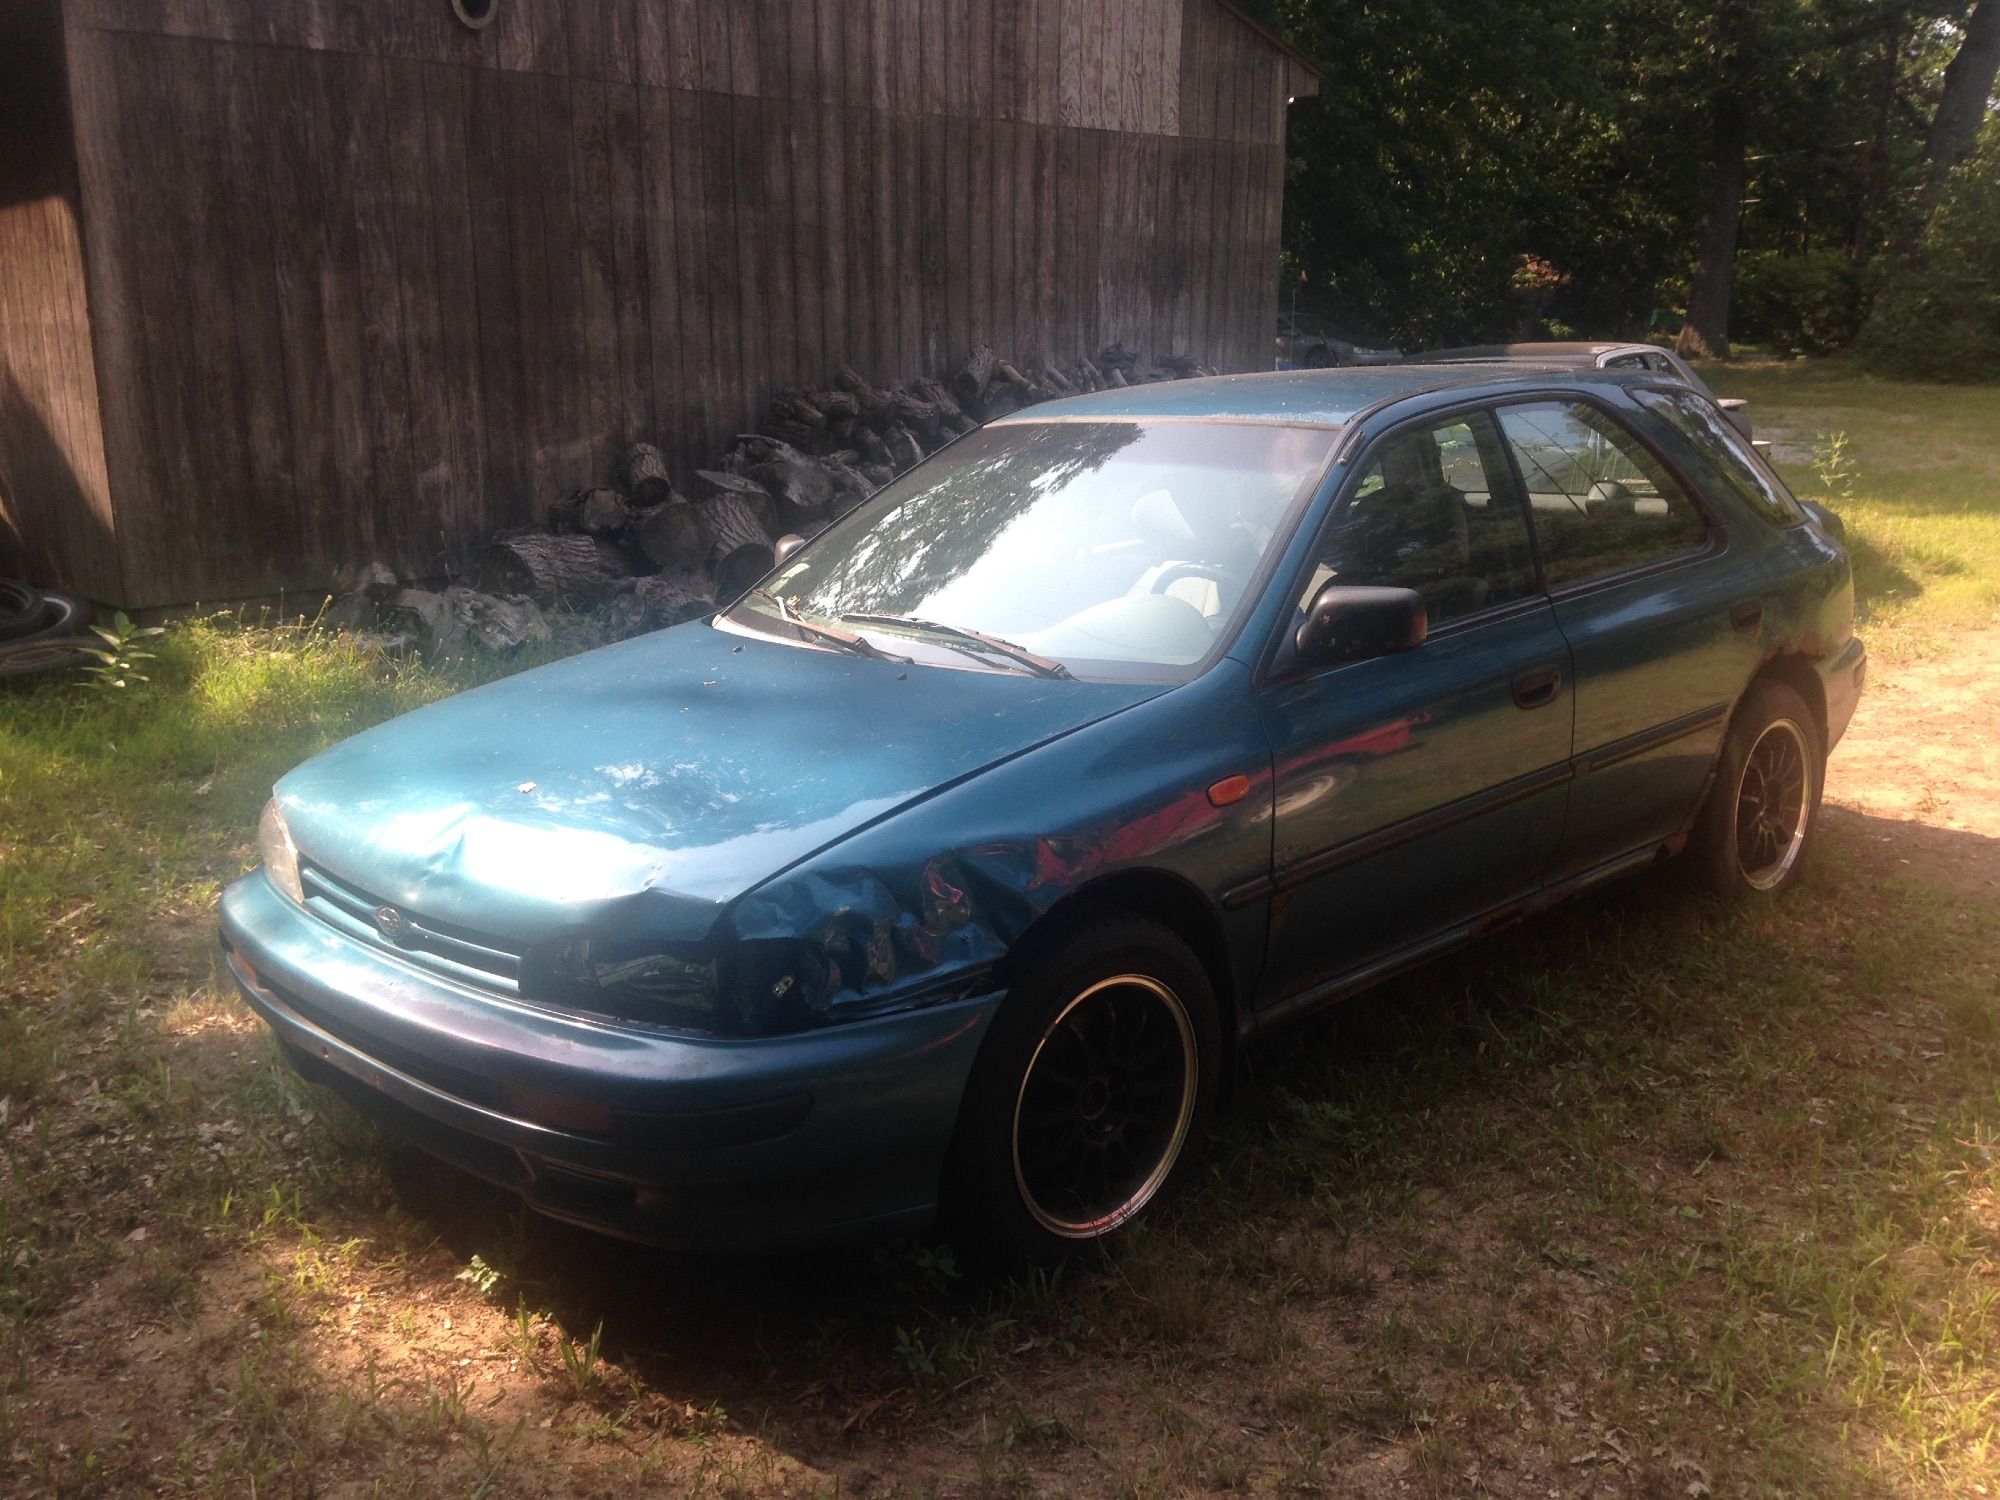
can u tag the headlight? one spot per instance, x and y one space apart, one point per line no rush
281 855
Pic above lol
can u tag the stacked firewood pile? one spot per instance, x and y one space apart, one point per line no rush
639 553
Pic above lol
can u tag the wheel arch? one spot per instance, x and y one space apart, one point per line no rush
1170 899
1794 669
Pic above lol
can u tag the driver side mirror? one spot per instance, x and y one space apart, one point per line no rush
1348 622
786 545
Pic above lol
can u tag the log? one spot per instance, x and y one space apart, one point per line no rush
450 620
739 549
376 581
874 403
1115 356
873 449
797 481
671 536
667 601
797 407
728 524
948 410
1002 398
839 406
910 410
751 495
904 449
646 478
576 570
970 382
595 513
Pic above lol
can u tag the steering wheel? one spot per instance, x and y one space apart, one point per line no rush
1228 580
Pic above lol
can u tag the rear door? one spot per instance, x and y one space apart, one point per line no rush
1416 792
1661 640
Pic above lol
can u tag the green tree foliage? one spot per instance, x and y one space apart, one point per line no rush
1481 168
1938 315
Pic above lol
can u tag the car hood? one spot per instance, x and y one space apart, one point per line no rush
664 775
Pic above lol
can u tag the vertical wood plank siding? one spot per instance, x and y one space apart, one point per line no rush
55 497
364 283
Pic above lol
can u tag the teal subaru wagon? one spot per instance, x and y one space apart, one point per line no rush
944 874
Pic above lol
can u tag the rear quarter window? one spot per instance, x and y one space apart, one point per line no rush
1702 425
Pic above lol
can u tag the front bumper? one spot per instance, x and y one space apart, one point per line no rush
671 1140
1842 675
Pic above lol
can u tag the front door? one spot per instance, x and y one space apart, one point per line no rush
1416 792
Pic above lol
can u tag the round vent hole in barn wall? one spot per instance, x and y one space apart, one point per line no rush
475 13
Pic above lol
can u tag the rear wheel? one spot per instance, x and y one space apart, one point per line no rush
1752 835
1092 1089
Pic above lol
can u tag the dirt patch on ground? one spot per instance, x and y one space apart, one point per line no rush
1924 752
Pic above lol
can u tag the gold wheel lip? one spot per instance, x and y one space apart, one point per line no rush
1774 874
1148 1189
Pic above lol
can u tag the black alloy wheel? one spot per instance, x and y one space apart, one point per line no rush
1752 835
1091 1092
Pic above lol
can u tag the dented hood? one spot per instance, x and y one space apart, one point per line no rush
661 777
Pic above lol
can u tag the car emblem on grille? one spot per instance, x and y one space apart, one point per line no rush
391 923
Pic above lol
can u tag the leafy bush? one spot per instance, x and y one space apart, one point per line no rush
1938 316
1800 304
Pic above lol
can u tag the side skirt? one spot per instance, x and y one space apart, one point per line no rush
1307 1002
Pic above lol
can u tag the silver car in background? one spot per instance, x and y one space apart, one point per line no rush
1306 343
1583 354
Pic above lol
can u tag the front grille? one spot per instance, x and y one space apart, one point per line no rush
458 955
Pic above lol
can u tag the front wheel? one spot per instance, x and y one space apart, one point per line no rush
1751 837
1092 1089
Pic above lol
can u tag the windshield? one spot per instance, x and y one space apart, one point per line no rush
1114 548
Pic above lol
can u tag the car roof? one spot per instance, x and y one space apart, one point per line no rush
1560 351
1316 398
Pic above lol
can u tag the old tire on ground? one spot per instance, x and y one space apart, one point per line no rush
1752 835
1092 1089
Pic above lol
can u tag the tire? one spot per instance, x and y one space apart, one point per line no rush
1317 358
39 615
1752 835
1058 1147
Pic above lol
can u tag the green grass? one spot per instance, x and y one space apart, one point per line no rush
1923 504
1643 1195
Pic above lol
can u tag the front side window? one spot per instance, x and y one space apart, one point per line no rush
1433 510
1734 461
1602 502
1120 548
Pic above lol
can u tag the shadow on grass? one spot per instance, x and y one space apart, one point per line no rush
1694 1124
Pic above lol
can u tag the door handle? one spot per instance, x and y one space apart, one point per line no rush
1747 614
1538 688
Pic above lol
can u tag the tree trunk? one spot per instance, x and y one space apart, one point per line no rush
1968 85
1875 167
1706 331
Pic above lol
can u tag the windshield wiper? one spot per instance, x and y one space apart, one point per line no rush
1021 656
826 635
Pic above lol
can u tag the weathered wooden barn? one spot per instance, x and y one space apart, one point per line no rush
286 285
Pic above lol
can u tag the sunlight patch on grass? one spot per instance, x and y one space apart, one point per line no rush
1924 516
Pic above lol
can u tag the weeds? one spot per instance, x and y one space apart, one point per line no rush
581 1366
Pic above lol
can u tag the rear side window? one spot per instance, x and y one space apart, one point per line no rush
1735 462
1602 502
